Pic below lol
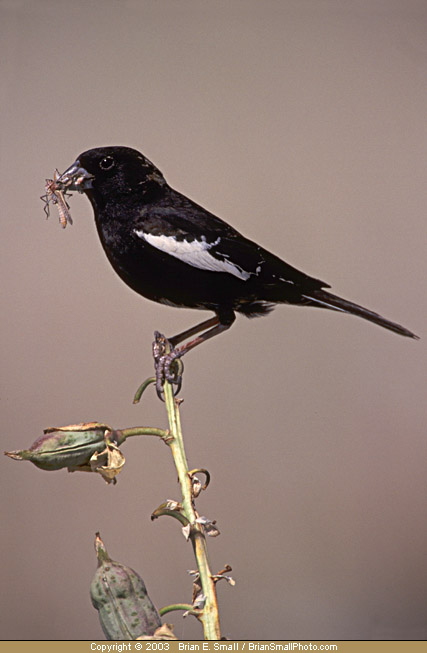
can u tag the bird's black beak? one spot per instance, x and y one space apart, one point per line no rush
75 178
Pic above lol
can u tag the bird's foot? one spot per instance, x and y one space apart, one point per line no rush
167 364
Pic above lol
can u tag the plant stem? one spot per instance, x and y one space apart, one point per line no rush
178 606
123 434
209 615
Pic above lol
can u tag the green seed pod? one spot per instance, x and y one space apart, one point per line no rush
120 596
65 446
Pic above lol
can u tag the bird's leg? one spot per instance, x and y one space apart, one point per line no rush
160 354
168 365
175 340
176 354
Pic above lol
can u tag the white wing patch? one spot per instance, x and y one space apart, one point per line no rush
195 253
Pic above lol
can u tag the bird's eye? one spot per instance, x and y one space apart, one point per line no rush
106 163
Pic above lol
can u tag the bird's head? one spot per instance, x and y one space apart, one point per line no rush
112 170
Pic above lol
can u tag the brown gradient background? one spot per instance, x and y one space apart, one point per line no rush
303 123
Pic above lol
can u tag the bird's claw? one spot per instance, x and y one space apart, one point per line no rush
167 364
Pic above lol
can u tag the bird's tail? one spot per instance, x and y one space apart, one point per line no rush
322 298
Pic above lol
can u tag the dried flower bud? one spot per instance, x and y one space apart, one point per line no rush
108 462
208 526
120 596
65 446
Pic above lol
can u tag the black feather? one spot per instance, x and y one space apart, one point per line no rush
324 299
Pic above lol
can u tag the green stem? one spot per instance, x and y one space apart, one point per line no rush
209 615
144 385
159 512
179 606
122 434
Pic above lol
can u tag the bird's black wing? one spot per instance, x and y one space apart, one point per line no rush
176 215
195 236
262 265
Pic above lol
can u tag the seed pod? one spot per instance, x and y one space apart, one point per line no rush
120 596
65 446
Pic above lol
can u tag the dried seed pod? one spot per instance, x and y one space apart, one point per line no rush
65 446
120 596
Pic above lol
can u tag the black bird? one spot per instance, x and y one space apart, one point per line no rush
173 251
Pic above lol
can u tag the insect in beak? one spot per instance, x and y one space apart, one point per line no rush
55 195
